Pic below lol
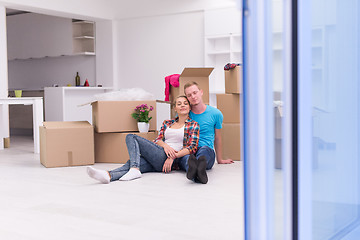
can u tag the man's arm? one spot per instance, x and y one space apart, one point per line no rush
218 148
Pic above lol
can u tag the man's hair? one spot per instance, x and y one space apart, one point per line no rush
189 84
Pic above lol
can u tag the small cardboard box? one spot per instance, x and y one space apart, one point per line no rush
278 113
199 75
65 144
115 116
230 137
7 142
233 80
111 147
231 106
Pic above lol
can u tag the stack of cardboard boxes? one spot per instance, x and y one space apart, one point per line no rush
112 121
76 143
230 104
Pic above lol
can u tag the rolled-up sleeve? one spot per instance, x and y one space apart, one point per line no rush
161 135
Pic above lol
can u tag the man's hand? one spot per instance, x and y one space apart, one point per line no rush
167 165
225 161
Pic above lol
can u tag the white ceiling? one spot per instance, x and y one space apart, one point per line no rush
122 9
139 8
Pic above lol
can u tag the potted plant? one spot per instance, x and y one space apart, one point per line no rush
141 115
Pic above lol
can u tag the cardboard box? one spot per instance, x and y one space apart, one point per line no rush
199 75
233 80
111 147
65 144
230 137
115 116
231 107
278 113
7 142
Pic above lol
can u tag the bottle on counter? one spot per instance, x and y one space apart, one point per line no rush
77 79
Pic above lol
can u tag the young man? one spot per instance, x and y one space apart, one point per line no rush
210 121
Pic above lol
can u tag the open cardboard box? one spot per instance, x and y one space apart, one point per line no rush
199 75
233 80
115 116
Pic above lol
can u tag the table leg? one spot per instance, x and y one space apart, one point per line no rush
38 118
4 123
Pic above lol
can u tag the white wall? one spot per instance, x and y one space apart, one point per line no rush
105 43
4 110
36 74
151 48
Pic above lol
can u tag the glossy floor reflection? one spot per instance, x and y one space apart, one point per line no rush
64 203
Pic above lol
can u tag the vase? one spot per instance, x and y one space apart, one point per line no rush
143 127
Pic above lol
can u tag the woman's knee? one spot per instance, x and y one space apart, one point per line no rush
130 137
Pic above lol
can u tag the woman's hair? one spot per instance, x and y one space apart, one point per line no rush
180 96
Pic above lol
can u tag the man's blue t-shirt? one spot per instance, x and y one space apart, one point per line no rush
209 120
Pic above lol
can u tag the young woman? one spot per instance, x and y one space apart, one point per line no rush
177 138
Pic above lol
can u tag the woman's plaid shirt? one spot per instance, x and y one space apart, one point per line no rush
191 133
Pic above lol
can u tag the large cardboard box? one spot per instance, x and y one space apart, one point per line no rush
115 116
230 137
65 144
231 107
233 80
111 147
199 75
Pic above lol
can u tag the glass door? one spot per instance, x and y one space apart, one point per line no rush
329 164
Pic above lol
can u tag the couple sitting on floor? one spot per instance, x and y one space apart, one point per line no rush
178 144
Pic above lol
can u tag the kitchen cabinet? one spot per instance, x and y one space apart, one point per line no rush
32 35
83 37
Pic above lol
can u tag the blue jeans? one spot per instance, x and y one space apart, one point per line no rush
144 154
209 154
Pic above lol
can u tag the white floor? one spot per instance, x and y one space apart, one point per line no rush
64 203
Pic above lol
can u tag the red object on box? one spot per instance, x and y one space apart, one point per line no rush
86 84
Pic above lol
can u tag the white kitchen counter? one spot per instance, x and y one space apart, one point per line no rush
63 103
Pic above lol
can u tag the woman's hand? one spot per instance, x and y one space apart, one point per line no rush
170 152
167 165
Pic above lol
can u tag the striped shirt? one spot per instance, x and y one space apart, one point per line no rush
191 133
